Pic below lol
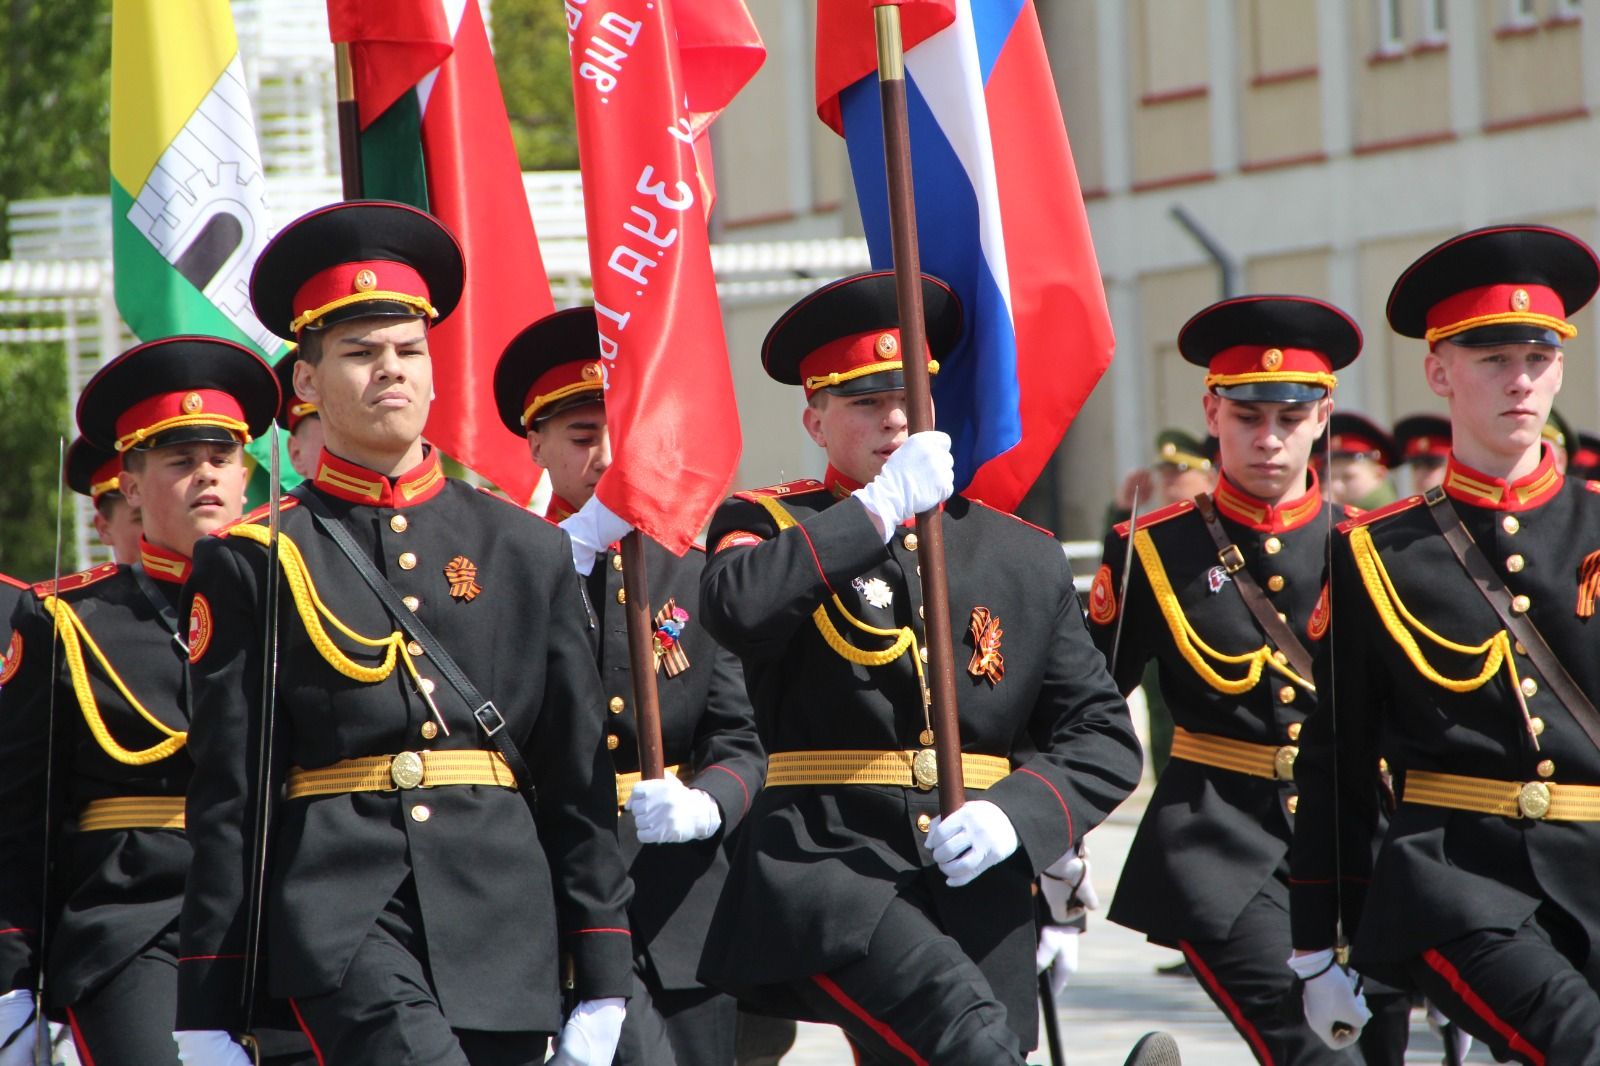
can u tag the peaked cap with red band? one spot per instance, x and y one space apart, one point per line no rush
845 337
551 365
292 410
1422 437
177 390
1271 349
93 471
1498 285
1584 460
1353 435
357 259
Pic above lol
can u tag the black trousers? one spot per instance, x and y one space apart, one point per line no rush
916 997
385 1012
673 1027
1247 977
1530 995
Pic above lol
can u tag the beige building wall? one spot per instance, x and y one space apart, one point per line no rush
1281 101
1170 69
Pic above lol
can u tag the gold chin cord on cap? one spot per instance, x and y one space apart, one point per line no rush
826 381
314 316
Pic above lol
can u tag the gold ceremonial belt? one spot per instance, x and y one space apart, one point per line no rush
1271 761
132 812
908 769
409 769
1509 799
625 783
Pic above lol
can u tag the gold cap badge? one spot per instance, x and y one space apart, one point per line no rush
1519 300
366 280
591 371
887 345
1272 359
192 403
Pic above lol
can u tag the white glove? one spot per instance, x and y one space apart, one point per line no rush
1330 998
1437 1021
1058 953
593 529
590 1036
19 1030
1067 888
918 477
670 812
976 837
209 1047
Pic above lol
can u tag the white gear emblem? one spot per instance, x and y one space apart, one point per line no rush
875 590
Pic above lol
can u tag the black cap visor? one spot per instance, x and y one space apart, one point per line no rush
1271 392
1507 333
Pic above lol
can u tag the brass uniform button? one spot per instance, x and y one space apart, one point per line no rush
1537 725
924 653
1294 730
1275 582
412 603
1515 563
1510 524
920 612
616 704
427 685
1520 604
1272 546
616 561
1292 803
622 595
1546 768
429 730
398 523
421 813
1283 618
923 822
910 542
1521 649
1383 766
413 648
1286 695
1280 658
612 743
408 560
1530 687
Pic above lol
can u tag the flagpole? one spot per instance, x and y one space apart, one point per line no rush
919 398
349 121
642 658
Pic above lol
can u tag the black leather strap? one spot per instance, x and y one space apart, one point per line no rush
1277 631
1519 625
483 710
163 607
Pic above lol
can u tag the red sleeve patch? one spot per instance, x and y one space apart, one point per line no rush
13 658
1102 598
200 627
739 538
1317 627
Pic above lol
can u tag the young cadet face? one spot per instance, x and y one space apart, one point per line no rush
305 446
1183 482
1265 446
574 447
859 433
372 386
1354 477
185 491
116 521
1500 397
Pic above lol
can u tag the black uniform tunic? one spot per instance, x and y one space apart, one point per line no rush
818 866
501 891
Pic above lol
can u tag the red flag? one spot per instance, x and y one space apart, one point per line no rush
847 49
648 76
474 186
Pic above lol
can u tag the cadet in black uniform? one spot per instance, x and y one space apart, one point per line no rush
1208 869
298 418
849 902
1423 444
1482 892
418 905
548 388
96 473
178 411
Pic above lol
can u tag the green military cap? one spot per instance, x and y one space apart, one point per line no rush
1181 449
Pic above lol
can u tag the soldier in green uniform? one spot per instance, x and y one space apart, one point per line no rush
1360 456
1462 650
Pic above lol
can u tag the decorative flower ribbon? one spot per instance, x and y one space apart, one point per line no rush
668 639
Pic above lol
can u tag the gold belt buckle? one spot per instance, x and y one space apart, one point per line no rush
1533 800
1283 762
925 769
405 770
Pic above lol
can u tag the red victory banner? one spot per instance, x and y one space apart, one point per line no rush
648 77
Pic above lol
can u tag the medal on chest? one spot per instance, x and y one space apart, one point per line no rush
875 590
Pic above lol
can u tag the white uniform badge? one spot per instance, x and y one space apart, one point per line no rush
875 590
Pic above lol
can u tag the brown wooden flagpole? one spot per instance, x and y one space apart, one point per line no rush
349 121
642 657
919 400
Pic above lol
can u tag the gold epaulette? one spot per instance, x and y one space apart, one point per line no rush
789 488
1363 518
70 582
1156 517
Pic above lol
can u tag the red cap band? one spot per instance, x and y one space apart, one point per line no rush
347 282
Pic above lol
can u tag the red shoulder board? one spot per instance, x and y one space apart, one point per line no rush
790 488
1014 518
7 579
1171 510
1352 511
75 581
258 516
1366 517
699 546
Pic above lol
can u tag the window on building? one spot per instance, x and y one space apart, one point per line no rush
1566 10
1521 12
1433 21
1391 27
1175 54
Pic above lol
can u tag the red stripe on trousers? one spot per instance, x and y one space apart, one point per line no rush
77 1038
1235 1015
890 1037
1443 967
306 1029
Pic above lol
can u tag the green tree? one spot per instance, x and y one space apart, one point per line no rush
530 46
33 404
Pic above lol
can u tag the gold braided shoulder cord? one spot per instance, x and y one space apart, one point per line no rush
1396 618
74 635
1189 643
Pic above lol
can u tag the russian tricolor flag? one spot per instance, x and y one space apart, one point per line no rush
1000 216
